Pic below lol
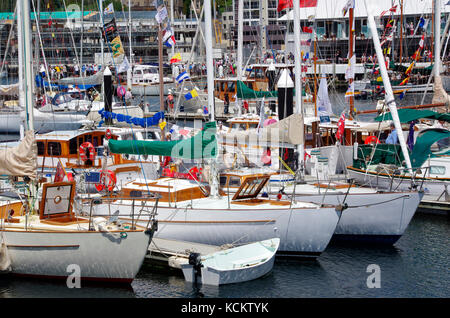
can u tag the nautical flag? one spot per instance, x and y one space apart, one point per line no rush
191 94
109 9
351 90
283 4
341 126
393 10
161 15
205 110
175 58
306 29
348 5
422 40
162 125
405 81
421 22
170 42
350 71
180 78
402 94
124 66
60 172
408 70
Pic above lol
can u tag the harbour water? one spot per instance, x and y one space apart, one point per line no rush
416 266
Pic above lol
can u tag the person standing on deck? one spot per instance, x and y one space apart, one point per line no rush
392 138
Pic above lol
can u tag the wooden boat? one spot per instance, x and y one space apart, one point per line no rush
56 242
233 265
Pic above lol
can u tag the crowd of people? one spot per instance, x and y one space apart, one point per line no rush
62 71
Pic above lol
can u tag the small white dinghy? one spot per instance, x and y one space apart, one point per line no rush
234 265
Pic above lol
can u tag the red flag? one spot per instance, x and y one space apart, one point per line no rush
307 29
283 4
341 126
60 172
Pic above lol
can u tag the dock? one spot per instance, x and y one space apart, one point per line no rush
173 253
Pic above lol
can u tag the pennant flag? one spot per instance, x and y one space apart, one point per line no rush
175 58
341 126
348 5
109 9
191 94
180 78
60 172
284 4
124 66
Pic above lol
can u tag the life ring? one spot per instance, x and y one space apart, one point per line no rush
371 139
108 134
108 180
195 173
87 146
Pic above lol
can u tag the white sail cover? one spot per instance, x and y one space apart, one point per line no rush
440 95
20 160
9 90
285 133
95 79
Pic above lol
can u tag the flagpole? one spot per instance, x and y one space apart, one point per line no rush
161 75
209 58
401 31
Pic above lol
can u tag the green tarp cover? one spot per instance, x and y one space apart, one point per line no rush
421 150
244 92
407 115
384 153
201 146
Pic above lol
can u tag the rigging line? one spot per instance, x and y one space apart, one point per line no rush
8 42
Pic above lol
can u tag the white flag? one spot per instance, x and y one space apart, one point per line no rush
350 71
324 105
124 66
109 9
161 15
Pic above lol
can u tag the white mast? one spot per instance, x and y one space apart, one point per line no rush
103 29
20 52
131 51
209 58
437 37
239 46
27 64
297 72
390 101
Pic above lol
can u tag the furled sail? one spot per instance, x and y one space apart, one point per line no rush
201 146
20 160
9 90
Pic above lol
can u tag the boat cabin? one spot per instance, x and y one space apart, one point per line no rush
145 74
228 86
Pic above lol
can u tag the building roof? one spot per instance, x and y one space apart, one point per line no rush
333 9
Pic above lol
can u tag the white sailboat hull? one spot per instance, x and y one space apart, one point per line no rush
47 254
303 232
371 217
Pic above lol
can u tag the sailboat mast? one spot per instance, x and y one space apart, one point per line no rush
239 46
437 37
390 101
350 54
209 58
297 71
161 73
27 63
401 32
20 52
129 70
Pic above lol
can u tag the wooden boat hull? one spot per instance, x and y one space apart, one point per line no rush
50 254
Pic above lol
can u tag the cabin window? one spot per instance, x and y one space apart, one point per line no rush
231 87
223 180
41 148
234 182
437 170
88 138
54 148
73 146
95 141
